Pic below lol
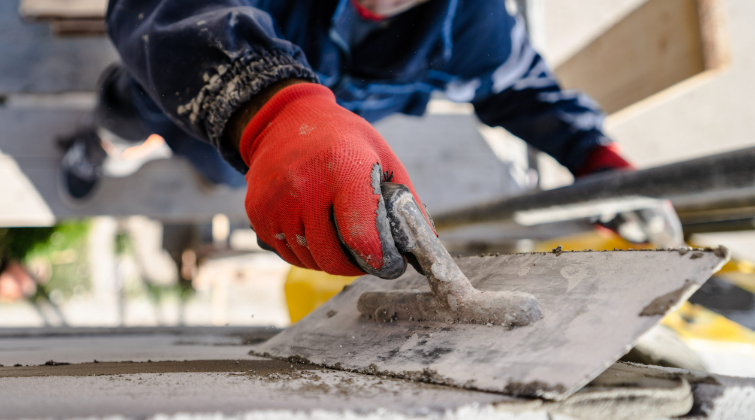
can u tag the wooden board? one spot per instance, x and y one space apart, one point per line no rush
163 189
30 162
595 305
448 160
660 44
78 27
33 10
67 17
449 172
34 61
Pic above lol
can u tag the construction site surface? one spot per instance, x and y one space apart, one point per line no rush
209 373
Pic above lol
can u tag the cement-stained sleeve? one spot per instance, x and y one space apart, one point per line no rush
201 61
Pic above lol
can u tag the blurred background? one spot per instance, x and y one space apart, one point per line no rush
158 245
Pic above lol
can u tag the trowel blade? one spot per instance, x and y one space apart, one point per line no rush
595 307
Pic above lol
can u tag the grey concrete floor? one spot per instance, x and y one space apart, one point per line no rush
228 393
198 373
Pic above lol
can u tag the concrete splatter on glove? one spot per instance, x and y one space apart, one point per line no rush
314 177
601 159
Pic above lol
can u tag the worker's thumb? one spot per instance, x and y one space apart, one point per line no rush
364 230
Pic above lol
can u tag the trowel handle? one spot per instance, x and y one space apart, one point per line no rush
415 239
408 225
453 299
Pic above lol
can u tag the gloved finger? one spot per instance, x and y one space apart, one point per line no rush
297 242
327 250
362 225
270 233
398 175
265 246
280 246
261 243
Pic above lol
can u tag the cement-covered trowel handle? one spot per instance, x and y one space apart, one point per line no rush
411 232
413 235
453 299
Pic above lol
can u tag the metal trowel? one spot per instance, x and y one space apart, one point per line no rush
538 325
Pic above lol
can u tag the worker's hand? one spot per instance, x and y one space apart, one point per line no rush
314 184
602 159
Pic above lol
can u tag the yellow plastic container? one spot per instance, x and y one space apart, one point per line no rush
692 321
306 290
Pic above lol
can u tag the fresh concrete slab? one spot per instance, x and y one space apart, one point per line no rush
222 387
256 388
83 345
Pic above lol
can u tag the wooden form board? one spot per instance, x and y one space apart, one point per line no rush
78 27
463 171
62 9
166 189
67 17
33 61
660 44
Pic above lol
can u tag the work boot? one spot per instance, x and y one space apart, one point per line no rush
81 168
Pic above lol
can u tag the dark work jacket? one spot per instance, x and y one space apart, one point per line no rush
199 60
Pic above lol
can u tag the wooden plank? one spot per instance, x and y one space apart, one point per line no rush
660 44
33 10
33 133
78 27
447 174
713 36
448 159
164 189
35 61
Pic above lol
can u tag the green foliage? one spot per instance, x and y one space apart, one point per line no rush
69 235
123 244
16 243
62 247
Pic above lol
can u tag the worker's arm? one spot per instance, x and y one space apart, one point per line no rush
509 84
200 61
313 169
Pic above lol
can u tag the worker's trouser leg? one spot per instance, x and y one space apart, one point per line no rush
125 109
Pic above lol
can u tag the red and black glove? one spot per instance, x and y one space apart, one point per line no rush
313 192
602 159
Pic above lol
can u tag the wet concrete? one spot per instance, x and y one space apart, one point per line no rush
223 387
84 345
252 388
259 367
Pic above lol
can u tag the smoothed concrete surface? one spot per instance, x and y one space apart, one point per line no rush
258 389
82 345
254 388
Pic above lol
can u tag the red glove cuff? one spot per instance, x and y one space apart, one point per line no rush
603 158
310 92
366 13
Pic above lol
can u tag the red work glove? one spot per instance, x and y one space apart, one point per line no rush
366 13
603 158
314 177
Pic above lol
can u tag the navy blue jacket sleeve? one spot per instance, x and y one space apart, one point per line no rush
200 60
509 84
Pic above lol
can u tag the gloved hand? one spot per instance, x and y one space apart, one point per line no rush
601 159
314 177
